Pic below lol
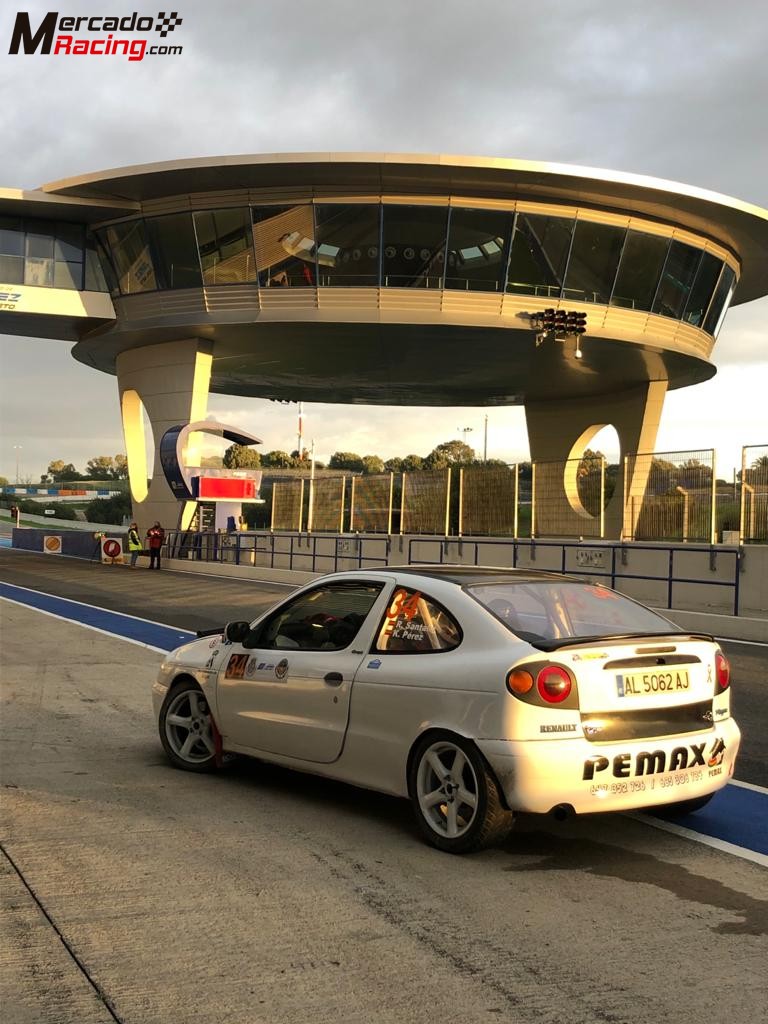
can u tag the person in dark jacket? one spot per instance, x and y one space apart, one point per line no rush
155 541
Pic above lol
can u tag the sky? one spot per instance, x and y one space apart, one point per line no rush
671 90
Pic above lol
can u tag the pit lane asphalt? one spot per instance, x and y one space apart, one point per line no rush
194 602
138 894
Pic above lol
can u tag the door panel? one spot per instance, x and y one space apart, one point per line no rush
288 700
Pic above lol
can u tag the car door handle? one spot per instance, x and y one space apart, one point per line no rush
333 678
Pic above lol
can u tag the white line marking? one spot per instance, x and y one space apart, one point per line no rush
235 579
748 785
698 837
95 607
85 625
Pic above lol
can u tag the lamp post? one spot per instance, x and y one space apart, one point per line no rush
17 449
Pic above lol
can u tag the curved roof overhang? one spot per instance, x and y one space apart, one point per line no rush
742 227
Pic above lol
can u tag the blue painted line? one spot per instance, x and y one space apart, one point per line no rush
127 627
734 815
6 542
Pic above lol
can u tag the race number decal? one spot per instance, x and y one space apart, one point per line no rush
404 605
236 666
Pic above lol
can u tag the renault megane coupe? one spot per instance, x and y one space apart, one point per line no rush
475 693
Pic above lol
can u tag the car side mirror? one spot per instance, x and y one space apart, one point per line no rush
236 632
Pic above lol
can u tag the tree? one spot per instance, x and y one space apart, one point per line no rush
277 460
3 482
121 467
60 472
109 510
412 464
590 462
346 460
240 456
372 464
449 453
393 465
101 467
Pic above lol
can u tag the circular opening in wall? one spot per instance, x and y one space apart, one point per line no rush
591 470
139 444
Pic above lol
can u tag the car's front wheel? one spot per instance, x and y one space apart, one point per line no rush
455 796
187 729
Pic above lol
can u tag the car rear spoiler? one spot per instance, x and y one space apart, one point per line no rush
219 631
591 641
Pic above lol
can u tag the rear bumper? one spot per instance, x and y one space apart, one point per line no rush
538 775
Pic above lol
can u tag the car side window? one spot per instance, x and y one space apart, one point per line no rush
325 619
416 624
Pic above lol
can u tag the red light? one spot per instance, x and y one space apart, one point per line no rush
554 684
722 670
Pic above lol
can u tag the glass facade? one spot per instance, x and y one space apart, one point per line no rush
42 253
389 245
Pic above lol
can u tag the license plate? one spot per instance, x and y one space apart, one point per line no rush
649 684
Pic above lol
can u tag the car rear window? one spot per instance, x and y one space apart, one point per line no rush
550 610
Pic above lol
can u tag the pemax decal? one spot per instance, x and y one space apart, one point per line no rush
236 666
281 669
654 762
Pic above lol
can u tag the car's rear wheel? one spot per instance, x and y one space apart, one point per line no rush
187 729
683 807
455 796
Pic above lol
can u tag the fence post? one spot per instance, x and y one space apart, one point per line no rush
461 499
301 513
447 502
682 490
533 500
713 522
742 507
352 507
517 503
310 505
341 509
602 498
274 502
391 499
402 503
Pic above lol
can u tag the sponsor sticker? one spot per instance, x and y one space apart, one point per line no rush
376 663
281 669
250 669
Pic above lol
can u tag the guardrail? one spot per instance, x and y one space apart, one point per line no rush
614 573
245 548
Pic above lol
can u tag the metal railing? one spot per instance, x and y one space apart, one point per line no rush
619 553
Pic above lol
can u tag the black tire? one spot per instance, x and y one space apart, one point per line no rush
185 700
683 807
485 824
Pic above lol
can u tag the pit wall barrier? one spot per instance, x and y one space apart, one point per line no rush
723 580
74 543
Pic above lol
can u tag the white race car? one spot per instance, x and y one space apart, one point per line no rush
474 692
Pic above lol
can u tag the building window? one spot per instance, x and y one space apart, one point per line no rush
720 302
414 241
284 241
175 250
676 280
225 245
11 250
347 241
127 245
478 243
539 253
642 260
593 262
703 289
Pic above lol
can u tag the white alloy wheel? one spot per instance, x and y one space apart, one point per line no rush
186 728
447 789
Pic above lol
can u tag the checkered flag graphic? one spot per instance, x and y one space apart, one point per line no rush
167 23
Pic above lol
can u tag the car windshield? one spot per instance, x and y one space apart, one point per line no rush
551 610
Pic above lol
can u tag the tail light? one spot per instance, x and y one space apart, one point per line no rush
722 671
554 684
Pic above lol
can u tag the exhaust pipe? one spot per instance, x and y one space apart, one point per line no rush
562 812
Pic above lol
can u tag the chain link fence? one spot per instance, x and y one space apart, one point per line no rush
370 508
670 496
568 498
753 513
488 501
288 505
425 501
325 511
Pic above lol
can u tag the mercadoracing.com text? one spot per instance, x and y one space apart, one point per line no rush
94 35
